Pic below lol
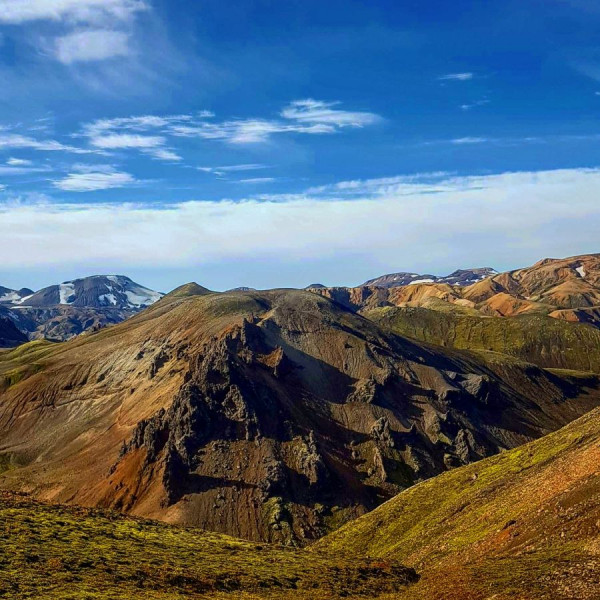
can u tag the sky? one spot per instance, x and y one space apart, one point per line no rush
274 143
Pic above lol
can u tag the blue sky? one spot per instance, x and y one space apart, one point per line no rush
275 143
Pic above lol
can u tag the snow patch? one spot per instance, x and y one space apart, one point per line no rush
581 272
421 281
10 297
139 296
108 299
66 291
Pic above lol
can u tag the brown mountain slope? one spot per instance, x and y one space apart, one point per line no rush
268 415
567 289
521 525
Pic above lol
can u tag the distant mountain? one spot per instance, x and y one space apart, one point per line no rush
10 335
8 296
98 291
462 277
59 312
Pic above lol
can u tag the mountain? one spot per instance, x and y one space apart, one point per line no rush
63 552
567 289
534 338
273 416
523 524
62 311
461 277
8 296
10 336
98 291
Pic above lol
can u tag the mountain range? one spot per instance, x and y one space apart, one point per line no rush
420 442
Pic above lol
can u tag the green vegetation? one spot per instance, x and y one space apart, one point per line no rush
521 524
60 552
542 340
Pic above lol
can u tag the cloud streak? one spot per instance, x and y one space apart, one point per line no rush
88 46
90 179
445 218
16 12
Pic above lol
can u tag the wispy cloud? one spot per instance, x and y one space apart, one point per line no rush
457 77
318 112
18 162
469 140
116 141
223 170
87 46
16 141
94 178
311 117
153 145
475 104
254 180
70 11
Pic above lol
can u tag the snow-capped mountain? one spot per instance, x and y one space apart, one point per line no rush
8 296
462 277
98 291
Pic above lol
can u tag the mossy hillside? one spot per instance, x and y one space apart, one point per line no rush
517 525
59 552
542 340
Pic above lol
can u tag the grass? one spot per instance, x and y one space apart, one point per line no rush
518 525
59 552
539 339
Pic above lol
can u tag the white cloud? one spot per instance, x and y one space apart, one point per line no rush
469 140
75 11
87 46
445 220
457 77
318 112
21 141
117 141
163 154
249 131
474 104
137 123
87 178
231 168
258 180
18 162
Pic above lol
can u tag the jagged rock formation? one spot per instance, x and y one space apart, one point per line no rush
268 415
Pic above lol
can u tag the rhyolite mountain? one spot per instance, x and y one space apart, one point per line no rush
273 416
461 277
59 312
566 289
